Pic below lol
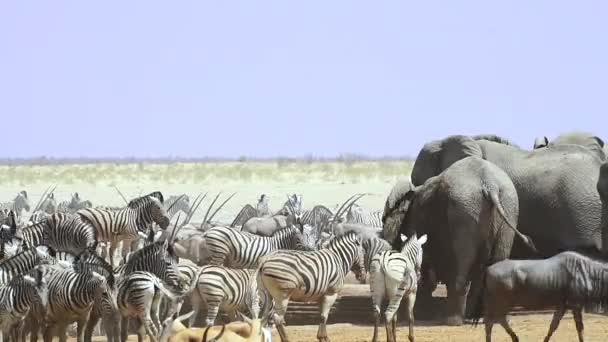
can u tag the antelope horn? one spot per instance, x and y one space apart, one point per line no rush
41 199
174 232
121 195
353 202
339 212
194 207
175 202
220 207
211 206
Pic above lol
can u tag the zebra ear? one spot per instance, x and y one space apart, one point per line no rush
422 239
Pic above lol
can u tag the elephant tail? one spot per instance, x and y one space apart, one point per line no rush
477 312
493 197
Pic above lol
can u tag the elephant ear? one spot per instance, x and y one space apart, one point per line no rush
457 147
541 142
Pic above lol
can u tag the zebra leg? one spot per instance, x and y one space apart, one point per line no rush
48 333
62 332
557 317
196 302
124 329
411 302
155 309
377 289
212 311
91 324
280 310
81 327
149 328
327 301
578 321
141 330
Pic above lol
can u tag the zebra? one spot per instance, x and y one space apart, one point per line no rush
138 297
49 204
18 205
372 247
174 204
73 205
24 262
359 215
393 275
62 232
228 289
71 297
104 308
66 232
16 299
247 212
238 249
310 275
114 226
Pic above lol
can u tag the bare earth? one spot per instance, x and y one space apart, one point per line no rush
527 327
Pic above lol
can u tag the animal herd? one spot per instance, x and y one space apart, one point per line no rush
499 225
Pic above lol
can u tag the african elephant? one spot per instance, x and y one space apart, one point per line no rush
559 204
469 213
585 139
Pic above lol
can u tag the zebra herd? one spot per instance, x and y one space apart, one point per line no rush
57 271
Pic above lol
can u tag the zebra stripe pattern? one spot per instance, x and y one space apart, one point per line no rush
238 249
394 275
174 204
357 214
138 297
16 299
114 226
226 288
372 247
23 263
19 204
66 232
73 205
306 276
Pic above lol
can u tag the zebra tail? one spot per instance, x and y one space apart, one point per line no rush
166 291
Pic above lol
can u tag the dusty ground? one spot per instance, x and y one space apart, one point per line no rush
528 328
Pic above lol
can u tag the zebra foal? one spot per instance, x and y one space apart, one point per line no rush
311 275
393 275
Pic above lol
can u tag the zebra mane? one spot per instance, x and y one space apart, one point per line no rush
142 202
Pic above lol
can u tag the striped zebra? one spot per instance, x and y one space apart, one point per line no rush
237 249
393 275
71 297
73 205
139 296
105 307
139 293
177 203
62 232
23 263
49 204
114 226
372 247
359 215
247 212
230 290
18 205
311 276
16 299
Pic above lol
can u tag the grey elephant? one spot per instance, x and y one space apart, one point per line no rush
469 213
592 142
559 204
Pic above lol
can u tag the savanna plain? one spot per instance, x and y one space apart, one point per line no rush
319 182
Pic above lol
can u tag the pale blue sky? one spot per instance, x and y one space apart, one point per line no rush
289 78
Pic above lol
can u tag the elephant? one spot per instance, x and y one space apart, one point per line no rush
470 213
401 187
585 139
559 203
